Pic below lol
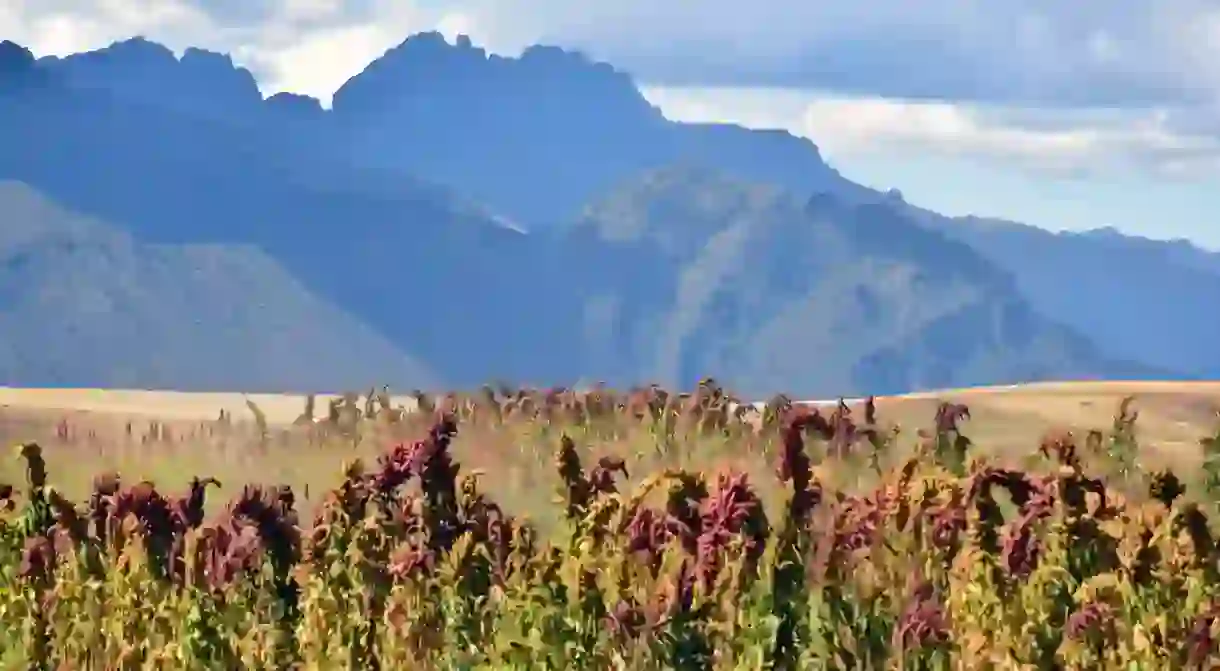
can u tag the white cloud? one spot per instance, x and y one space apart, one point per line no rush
60 27
304 46
314 65
1123 52
311 10
1064 141
317 62
1043 51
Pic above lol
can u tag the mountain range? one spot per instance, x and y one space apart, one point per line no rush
458 217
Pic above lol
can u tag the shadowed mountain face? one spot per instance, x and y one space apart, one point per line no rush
507 132
749 283
84 304
1147 300
420 265
201 83
658 250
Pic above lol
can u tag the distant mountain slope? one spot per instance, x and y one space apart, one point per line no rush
537 136
503 131
824 298
405 205
83 304
1142 299
424 266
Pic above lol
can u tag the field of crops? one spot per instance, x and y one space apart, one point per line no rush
827 541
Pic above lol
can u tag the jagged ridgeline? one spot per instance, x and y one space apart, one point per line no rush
841 545
545 213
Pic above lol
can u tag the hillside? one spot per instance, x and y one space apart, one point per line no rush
416 262
1154 310
503 131
657 250
747 282
525 121
84 304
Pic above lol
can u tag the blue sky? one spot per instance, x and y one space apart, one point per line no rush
1063 115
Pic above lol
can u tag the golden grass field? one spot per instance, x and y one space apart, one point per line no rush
777 537
173 435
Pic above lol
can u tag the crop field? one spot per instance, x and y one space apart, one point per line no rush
1039 527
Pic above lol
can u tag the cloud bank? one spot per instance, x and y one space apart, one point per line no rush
1076 142
1063 87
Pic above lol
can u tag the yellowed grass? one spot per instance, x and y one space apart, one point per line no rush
1173 416
164 405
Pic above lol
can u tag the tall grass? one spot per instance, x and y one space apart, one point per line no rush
946 560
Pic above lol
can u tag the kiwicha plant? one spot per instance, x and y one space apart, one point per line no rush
943 560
